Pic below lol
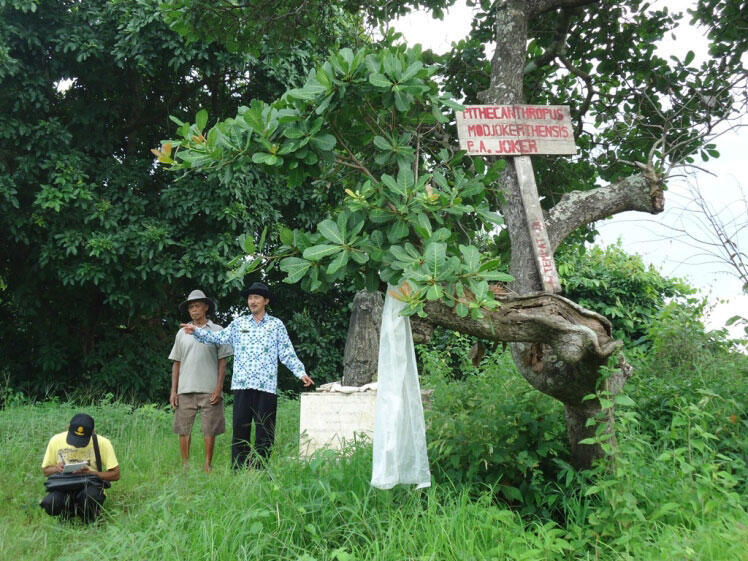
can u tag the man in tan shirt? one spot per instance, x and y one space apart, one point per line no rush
197 376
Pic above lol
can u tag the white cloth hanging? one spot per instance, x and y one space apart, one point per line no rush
400 455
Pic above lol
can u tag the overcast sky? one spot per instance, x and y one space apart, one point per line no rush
653 237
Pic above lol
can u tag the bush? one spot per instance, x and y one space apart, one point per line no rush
447 353
493 429
689 367
618 286
676 478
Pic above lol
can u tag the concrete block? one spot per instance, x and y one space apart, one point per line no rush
330 419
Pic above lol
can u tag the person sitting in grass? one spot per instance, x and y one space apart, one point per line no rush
78 447
197 375
259 341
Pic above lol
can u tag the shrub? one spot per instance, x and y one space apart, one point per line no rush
618 286
492 428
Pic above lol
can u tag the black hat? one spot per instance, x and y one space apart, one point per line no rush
257 288
81 428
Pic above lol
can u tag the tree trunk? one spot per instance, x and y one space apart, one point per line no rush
558 346
362 344
566 365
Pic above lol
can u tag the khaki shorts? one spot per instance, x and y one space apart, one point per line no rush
211 416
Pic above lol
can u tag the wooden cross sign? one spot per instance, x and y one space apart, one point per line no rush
519 131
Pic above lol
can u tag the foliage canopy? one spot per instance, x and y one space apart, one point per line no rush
101 244
368 128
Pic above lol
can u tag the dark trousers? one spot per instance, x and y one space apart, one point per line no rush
85 503
253 406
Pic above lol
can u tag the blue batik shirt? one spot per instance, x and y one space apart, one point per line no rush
257 349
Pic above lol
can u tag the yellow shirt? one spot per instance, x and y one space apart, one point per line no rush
58 450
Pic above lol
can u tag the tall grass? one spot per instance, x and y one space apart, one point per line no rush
677 490
325 509
318 509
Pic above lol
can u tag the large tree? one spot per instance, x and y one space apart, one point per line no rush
99 245
371 130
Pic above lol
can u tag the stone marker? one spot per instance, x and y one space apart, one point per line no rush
335 415
330 419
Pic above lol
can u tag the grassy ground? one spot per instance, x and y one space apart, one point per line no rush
325 508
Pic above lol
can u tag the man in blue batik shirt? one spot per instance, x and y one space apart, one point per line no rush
259 341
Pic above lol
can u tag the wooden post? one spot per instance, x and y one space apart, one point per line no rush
541 246
516 131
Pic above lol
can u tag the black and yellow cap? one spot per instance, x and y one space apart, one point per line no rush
81 428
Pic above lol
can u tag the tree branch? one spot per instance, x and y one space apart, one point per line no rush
642 192
574 333
587 79
537 7
557 47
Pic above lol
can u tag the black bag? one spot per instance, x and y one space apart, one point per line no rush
73 482
76 482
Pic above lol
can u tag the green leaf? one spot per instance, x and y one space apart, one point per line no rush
286 236
295 268
372 280
317 252
624 400
342 223
496 276
393 185
435 257
324 142
254 116
401 255
511 493
440 180
411 71
471 257
247 243
442 234
665 509
263 237
735 319
382 143
422 225
338 263
452 104
330 231
379 80
360 257
309 92
253 265
592 489
358 226
491 217
201 119
265 158
293 133
402 100
434 292
324 104
490 265
438 115
397 231
479 288
346 55
380 215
